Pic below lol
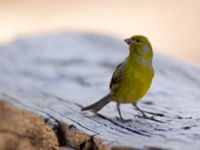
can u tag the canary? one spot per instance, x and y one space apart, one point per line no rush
132 78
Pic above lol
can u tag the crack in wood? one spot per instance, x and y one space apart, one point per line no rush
89 145
115 123
59 131
80 124
112 128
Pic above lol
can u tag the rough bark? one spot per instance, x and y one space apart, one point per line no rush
20 130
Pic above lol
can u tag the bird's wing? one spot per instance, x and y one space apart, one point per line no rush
117 75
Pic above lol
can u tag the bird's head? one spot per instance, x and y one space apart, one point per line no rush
139 45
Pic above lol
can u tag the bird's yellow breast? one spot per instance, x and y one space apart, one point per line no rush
135 82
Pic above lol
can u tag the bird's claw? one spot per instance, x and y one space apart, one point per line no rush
149 118
123 120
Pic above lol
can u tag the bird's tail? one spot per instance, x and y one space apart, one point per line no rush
98 105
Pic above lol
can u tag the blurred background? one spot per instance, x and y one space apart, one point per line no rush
173 26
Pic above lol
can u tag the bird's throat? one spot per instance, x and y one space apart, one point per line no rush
138 59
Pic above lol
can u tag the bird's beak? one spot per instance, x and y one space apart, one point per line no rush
128 41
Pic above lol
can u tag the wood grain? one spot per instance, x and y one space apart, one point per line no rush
56 75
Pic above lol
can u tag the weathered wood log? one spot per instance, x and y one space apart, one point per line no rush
56 75
22 130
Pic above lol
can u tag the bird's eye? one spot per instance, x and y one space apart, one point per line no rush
137 40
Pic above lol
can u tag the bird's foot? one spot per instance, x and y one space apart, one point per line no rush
155 114
144 116
123 120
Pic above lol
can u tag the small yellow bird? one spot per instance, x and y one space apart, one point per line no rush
132 78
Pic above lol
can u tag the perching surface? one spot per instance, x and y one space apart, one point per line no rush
55 75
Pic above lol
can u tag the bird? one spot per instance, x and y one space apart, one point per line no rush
131 79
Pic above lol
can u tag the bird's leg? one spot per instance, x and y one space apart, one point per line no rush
144 115
120 115
147 112
119 111
142 112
